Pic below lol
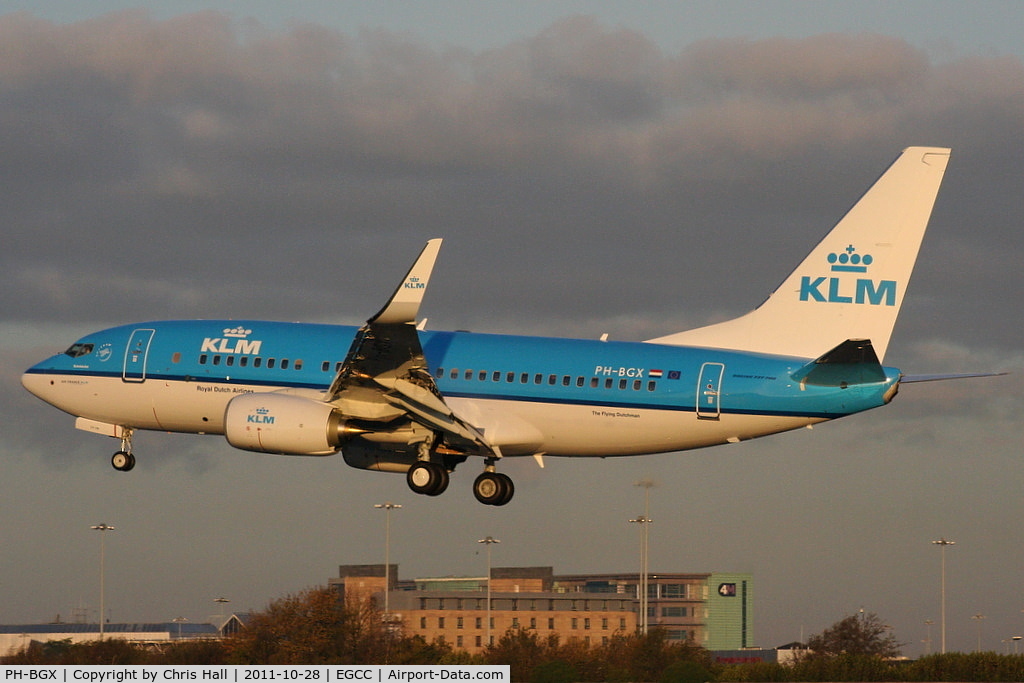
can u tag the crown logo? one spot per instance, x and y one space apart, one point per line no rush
238 332
849 261
262 411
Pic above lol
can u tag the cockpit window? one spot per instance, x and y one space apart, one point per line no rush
79 350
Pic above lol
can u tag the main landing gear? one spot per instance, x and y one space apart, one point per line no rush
430 478
123 460
493 488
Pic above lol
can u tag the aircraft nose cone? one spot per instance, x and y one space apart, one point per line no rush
37 384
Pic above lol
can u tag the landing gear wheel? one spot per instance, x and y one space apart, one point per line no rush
493 488
122 461
427 478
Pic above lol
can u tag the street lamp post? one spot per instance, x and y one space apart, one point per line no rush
977 618
942 543
644 521
179 621
387 507
488 541
102 528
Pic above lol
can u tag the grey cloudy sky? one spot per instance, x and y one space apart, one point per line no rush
594 168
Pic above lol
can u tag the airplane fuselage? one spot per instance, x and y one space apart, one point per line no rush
528 395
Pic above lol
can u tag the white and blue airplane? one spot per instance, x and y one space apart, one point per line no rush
394 397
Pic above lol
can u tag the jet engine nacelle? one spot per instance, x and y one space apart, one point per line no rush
283 424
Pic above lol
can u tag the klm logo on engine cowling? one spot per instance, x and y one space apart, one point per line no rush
845 290
234 340
262 416
414 283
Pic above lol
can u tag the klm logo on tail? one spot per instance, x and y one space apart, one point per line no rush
839 290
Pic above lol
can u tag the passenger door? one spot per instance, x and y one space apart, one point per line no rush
135 355
709 391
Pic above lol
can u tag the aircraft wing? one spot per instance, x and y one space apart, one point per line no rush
385 375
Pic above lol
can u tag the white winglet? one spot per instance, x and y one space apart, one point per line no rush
404 305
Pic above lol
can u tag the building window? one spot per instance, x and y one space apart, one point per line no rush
440 622
458 623
673 590
423 622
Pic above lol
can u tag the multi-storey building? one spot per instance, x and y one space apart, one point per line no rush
712 610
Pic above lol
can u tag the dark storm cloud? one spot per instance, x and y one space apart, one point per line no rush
203 166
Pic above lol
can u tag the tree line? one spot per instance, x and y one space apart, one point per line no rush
313 627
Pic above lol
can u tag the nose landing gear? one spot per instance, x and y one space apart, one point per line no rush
123 460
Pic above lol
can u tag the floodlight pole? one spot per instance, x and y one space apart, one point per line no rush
102 527
488 541
387 507
942 543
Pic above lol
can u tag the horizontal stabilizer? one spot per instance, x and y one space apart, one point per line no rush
916 379
852 362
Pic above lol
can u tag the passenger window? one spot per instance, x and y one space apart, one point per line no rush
637 384
652 385
202 359
510 377
216 360
257 362
608 383
538 378
579 381
469 374
566 380
230 360
270 363
439 373
176 358
552 379
483 376
496 377
524 378
325 366
622 383
454 374
298 365
284 363
244 361
593 382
